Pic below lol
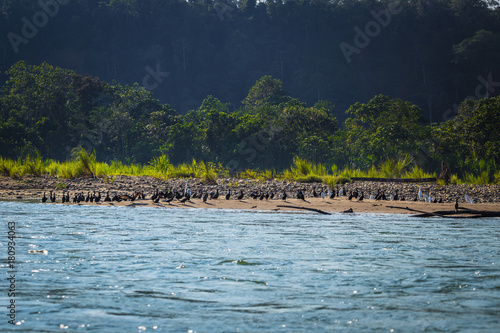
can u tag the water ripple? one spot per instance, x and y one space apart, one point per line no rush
109 269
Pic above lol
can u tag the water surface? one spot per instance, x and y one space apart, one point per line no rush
121 269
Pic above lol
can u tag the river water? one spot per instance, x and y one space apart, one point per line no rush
120 269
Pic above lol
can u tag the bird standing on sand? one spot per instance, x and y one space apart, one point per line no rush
44 198
241 195
456 206
469 200
228 195
284 195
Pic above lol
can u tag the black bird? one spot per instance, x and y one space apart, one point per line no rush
155 194
98 197
456 206
52 197
87 199
157 199
355 194
183 200
75 198
332 196
272 196
92 197
267 195
107 197
63 199
216 196
402 198
351 196
284 195
168 200
178 196
44 198
314 192
441 200
228 195
261 197
205 197
396 196
362 196
241 195
300 195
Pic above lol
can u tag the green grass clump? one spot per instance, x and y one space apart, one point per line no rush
392 168
85 162
309 179
6 166
337 180
496 177
302 167
481 179
209 175
34 166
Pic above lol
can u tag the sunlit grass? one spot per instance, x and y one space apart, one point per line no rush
84 164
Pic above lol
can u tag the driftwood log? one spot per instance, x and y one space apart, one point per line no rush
471 213
305 208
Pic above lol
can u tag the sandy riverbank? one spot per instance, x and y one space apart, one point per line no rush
327 205
486 197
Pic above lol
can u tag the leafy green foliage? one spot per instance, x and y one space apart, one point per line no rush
55 113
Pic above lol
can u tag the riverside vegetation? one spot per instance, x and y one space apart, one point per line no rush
47 111
84 164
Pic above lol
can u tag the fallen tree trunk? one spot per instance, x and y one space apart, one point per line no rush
306 208
447 213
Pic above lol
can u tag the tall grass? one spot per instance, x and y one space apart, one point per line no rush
34 166
85 161
84 164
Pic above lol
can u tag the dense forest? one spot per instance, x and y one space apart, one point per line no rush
253 85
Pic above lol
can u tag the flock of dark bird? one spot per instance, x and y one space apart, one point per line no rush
184 195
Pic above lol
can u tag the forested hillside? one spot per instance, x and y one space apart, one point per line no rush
251 85
432 53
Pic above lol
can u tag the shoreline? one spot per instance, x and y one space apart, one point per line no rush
486 198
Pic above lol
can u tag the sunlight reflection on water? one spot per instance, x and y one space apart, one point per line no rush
109 269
